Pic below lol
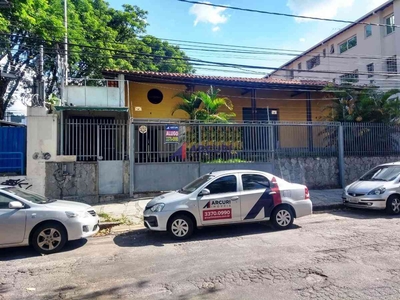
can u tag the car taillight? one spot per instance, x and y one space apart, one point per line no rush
306 193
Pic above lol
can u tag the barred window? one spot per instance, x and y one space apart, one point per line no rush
349 78
391 65
313 62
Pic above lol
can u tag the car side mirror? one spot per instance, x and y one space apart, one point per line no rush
205 192
15 205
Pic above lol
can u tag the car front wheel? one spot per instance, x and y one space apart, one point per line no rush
180 227
393 205
49 238
282 218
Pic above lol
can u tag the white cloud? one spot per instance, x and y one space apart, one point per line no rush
216 28
302 40
208 14
317 8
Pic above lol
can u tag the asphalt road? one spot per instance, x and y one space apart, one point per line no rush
337 255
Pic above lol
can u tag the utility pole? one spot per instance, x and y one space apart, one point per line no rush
66 41
64 68
41 92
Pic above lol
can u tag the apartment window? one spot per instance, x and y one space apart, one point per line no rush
324 53
389 21
391 65
368 30
370 70
349 78
313 62
350 43
291 74
299 67
332 49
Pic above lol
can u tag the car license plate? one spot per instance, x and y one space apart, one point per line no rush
352 200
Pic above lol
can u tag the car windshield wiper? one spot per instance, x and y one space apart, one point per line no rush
378 179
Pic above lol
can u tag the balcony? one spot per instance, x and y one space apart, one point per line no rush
96 93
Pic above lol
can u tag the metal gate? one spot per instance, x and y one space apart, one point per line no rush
12 150
104 140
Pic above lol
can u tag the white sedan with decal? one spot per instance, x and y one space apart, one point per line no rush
228 197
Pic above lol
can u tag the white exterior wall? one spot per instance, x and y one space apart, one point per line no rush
94 96
377 45
41 138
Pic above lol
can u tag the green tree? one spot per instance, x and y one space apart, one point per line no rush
99 38
368 116
190 104
363 105
205 106
211 106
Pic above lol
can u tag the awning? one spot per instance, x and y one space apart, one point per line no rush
91 108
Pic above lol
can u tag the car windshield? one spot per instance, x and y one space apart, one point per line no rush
28 195
194 185
383 173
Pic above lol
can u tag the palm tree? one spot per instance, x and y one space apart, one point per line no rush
190 104
204 106
211 104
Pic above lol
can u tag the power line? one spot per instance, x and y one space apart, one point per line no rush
241 51
213 63
191 60
283 14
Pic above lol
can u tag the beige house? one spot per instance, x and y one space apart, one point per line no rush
361 53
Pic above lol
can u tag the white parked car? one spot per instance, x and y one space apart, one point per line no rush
27 218
226 197
378 189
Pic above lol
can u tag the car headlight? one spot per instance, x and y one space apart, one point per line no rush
378 191
157 208
76 214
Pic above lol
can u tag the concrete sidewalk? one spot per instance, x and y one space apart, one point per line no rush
132 209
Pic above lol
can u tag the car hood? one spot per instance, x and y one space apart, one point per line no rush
364 187
67 205
167 198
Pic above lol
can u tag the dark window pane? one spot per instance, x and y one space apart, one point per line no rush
254 182
4 201
343 47
227 184
352 42
368 30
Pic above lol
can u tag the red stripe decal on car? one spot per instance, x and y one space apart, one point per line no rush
275 188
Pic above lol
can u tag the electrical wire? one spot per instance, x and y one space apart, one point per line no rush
283 14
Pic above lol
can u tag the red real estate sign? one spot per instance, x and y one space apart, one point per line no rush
217 214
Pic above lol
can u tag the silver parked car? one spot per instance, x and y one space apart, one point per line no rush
27 218
228 197
377 189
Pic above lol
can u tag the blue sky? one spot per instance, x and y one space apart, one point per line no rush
177 20
182 21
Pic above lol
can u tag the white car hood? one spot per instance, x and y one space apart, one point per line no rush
364 187
167 198
67 205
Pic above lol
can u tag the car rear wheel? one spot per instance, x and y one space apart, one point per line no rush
282 218
49 238
393 205
180 227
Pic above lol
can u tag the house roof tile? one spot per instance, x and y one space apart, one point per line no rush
218 79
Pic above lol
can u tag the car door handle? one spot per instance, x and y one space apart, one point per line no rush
235 198
272 193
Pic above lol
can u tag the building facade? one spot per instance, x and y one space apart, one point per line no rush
253 99
361 53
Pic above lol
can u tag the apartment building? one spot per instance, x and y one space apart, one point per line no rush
359 53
